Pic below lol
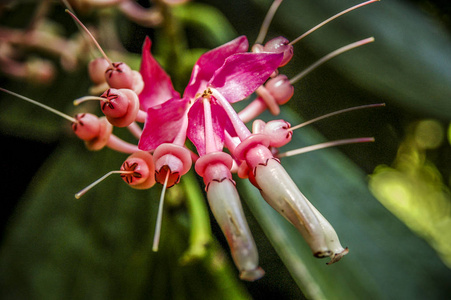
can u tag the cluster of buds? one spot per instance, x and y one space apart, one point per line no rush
202 128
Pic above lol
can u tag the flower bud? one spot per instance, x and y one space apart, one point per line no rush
280 45
142 165
96 69
120 106
280 88
278 132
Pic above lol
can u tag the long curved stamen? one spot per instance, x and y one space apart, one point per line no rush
326 145
90 35
86 189
156 238
330 19
334 114
267 21
330 56
63 115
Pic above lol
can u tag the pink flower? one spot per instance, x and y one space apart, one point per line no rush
229 69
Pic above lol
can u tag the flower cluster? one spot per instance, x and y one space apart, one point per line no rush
201 128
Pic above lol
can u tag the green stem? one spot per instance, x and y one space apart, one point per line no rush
172 44
200 234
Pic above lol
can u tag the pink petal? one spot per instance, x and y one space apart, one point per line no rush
157 84
196 126
243 73
209 62
163 123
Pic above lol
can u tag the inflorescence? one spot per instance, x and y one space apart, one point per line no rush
221 143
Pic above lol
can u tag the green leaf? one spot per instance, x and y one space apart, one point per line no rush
409 64
386 260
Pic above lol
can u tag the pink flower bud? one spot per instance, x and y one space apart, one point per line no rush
280 88
87 126
278 132
280 45
120 106
93 130
119 76
142 165
96 69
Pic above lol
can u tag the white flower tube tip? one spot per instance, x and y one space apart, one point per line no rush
286 199
226 207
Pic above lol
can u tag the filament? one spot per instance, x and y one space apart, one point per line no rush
330 56
326 145
67 117
267 21
90 35
335 113
86 189
156 238
330 19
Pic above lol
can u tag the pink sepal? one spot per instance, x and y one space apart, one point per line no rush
243 73
209 62
163 123
157 84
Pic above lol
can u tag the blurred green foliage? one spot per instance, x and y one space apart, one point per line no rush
414 190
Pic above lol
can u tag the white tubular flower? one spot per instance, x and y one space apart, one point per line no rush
279 190
226 206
